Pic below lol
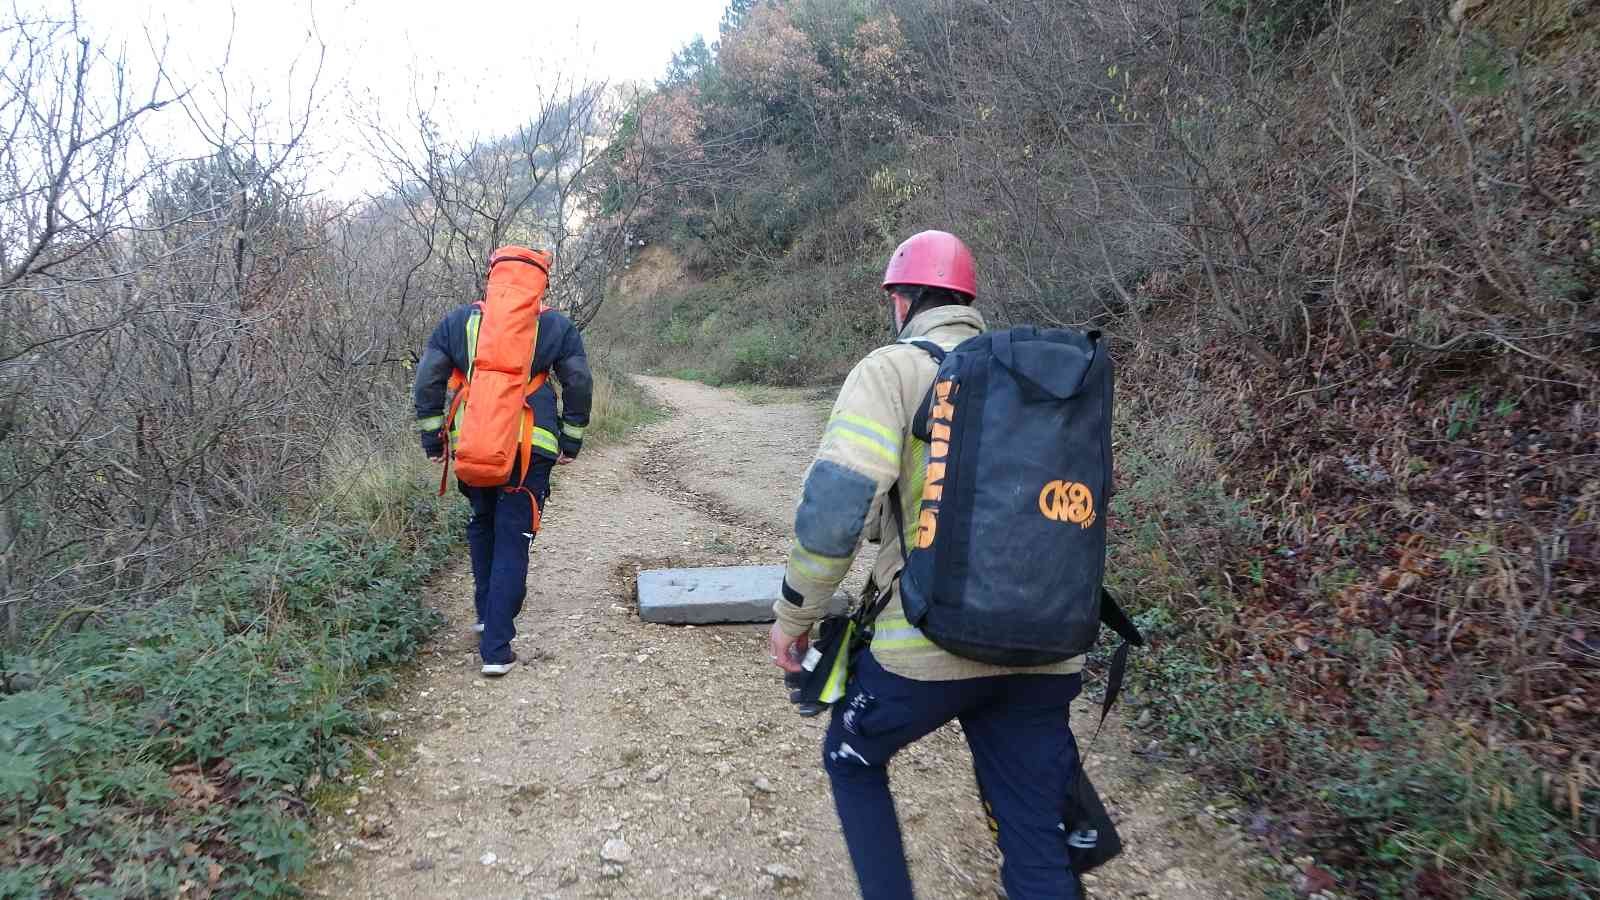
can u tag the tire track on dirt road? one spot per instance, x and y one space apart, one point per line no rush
631 760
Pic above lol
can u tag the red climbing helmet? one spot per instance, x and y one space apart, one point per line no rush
933 259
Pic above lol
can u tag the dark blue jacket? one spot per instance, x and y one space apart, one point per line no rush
559 350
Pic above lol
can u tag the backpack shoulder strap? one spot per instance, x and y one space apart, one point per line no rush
869 612
920 417
929 347
1112 616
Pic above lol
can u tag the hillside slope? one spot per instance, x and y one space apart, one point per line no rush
1350 266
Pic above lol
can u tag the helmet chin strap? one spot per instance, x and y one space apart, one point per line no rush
912 307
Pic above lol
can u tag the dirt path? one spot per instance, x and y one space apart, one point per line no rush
678 742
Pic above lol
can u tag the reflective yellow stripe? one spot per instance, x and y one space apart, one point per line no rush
545 439
431 423
839 675
883 640
818 567
867 433
890 436
473 321
894 632
572 431
455 424
841 563
890 456
472 339
911 492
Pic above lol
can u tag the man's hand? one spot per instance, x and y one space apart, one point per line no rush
787 652
563 460
433 445
437 460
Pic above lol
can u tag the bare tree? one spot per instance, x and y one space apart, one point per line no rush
463 198
183 338
70 117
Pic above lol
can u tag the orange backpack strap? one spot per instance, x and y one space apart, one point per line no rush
458 384
528 421
537 517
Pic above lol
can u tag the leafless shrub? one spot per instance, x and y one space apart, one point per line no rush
182 341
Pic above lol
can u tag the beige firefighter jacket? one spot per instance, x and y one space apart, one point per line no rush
866 447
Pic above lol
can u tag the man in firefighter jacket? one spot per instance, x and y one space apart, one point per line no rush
504 522
903 686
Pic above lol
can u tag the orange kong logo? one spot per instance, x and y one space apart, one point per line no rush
942 414
1067 501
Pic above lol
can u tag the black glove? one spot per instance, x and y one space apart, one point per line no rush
796 683
432 443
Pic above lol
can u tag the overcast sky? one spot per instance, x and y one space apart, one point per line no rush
482 60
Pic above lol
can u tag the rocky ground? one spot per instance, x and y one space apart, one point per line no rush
632 760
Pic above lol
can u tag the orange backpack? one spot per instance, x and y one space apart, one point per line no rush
497 427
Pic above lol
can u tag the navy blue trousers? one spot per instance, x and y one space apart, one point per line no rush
1022 749
499 536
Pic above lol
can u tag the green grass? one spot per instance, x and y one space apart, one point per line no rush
785 327
176 745
621 407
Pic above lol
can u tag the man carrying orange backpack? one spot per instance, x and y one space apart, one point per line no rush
503 427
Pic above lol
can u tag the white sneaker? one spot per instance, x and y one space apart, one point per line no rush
495 670
478 628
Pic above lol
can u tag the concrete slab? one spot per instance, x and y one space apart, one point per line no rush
712 595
